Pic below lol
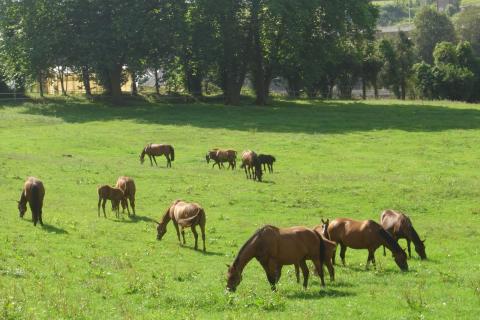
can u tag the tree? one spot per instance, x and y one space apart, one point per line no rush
468 26
431 27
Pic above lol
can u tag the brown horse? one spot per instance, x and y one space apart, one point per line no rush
185 215
268 160
33 192
220 156
330 249
365 234
399 226
250 162
115 195
273 248
154 150
127 185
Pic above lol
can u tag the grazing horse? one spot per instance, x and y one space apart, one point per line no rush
273 248
266 159
365 234
187 215
33 192
154 150
115 195
220 156
399 226
250 162
127 185
330 249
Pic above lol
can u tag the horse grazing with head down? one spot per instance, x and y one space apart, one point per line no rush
268 160
365 234
399 226
154 150
115 195
127 185
273 248
185 215
250 162
33 192
219 156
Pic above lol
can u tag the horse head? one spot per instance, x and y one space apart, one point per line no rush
207 157
142 156
22 208
233 278
325 224
161 230
401 259
420 249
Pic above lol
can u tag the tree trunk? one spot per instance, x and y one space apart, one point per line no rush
157 82
258 63
86 81
40 84
364 89
403 88
375 88
115 74
134 89
62 81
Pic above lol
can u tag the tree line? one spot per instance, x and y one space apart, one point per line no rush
315 45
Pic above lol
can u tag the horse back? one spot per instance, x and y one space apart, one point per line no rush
33 186
296 243
187 214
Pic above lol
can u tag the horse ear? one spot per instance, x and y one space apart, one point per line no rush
328 221
323 221
423 241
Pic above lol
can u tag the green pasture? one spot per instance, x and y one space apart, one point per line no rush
334 159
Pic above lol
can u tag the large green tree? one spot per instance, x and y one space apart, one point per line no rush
467 25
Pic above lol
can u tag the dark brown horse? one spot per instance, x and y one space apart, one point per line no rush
33 192
250 162
127 185
266 160
273 248
399 226
115 195
185 215
330 249
154 150
219 157
365 234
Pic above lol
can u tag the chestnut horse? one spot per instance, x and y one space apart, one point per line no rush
154 150
127 185
250 162
399 226
220 156
185 215
273 248
365 234
33 192
266 159
115 195
330 249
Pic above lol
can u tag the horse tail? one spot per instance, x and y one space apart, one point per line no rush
172 153
322 247
35 202
273 159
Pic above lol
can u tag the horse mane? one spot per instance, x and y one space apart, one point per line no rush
235 262
392 244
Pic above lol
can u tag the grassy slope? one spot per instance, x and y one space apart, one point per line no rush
334 159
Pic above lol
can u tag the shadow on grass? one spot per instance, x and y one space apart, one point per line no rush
207 253
53 229
282 116
134 219
313 294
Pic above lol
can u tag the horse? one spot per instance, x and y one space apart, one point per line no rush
273 248
127 185
399 226
365 234
115 195
330 249
250 162
186 215
33 192
153 150
220 156
266 159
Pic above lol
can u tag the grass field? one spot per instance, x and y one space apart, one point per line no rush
334 159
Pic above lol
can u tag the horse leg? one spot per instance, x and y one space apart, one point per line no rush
246 175
132 203
271 167
151 163
343 249
408 247
104 201
99 202
384 252
178 231
155 160
369 258
195 235
40 217
319 268
183 235
270 275
331 270
305 273
202 230
297 272
169 164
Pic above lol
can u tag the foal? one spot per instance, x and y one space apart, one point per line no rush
128 187
33 192
115 195
220 156
266 159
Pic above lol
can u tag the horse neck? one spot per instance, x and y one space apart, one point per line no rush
246 253
23 198
389 242
413 235
166 217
